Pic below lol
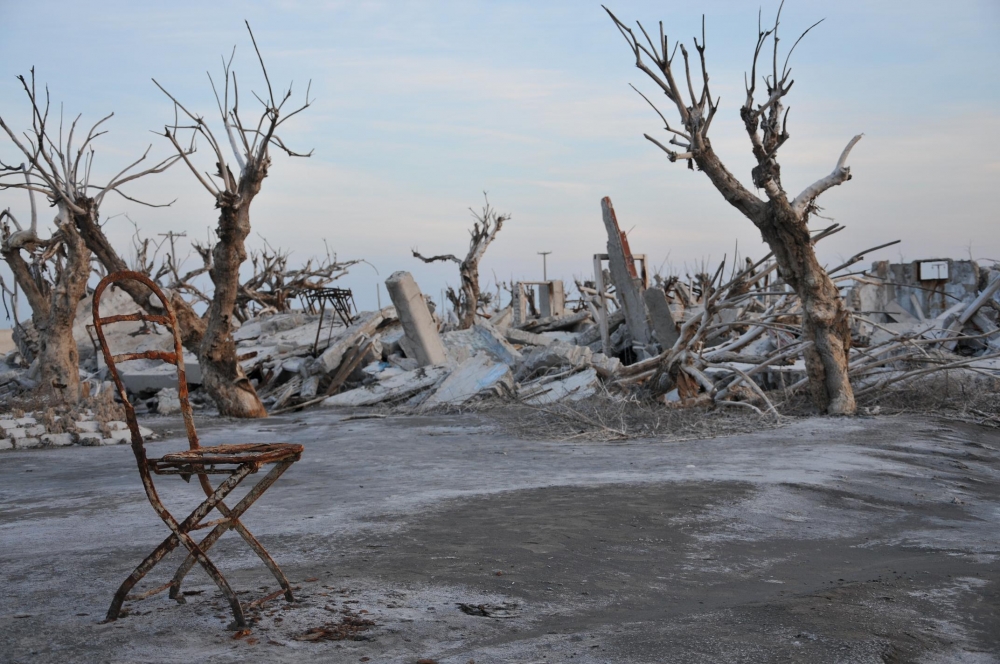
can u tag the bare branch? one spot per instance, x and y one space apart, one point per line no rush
434 259
841 173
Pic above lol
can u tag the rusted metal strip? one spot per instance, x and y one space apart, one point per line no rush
148 593
211 524
146 355
265 598
139 316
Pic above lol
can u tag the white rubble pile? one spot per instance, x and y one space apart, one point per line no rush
30 431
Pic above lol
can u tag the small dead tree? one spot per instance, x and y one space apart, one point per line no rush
169 273
233 193
781 219
484 230
55 274
274 285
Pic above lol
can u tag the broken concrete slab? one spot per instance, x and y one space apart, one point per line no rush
391 389
416 319
553 323
481 337
660 315
473 376
563 354
514 335
578 386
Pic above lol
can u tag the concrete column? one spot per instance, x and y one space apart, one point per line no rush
662 319
519 305
557 300
627 283
544 300
417 323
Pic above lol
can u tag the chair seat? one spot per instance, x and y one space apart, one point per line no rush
230 455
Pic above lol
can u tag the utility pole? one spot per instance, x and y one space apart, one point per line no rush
173 255
545 271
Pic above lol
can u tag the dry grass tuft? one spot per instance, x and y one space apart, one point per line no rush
610 417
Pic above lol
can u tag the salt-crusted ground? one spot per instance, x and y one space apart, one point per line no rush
828 540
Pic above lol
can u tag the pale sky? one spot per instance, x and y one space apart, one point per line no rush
420 106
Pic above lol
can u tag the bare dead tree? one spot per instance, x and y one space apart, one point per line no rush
55 274
781 219
250 145
484 230
274 285
167 269
52 273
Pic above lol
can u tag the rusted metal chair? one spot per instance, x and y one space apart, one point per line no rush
236 462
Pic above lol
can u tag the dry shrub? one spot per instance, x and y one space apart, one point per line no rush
951 394
608 417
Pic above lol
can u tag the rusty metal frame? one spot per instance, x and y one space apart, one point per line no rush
342 301
236 461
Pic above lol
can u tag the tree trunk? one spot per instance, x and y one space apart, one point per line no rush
825 319
469 273
58 358
222 375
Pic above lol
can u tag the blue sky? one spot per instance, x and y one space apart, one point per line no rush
420 106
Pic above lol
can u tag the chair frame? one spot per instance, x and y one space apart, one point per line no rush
242 461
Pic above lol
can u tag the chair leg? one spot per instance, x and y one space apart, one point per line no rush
180 535
234 515
220 581
165 547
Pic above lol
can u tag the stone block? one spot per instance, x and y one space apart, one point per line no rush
168 401
90 439
16 434
36 430
87 426
118 437
310 386
26 421
6 444
28 443
8 424
293 365
58 439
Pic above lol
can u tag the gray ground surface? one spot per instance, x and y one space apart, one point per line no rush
825 541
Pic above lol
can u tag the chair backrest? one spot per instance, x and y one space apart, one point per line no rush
176 357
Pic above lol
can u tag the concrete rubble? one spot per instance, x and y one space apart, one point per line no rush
45 429
697 340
